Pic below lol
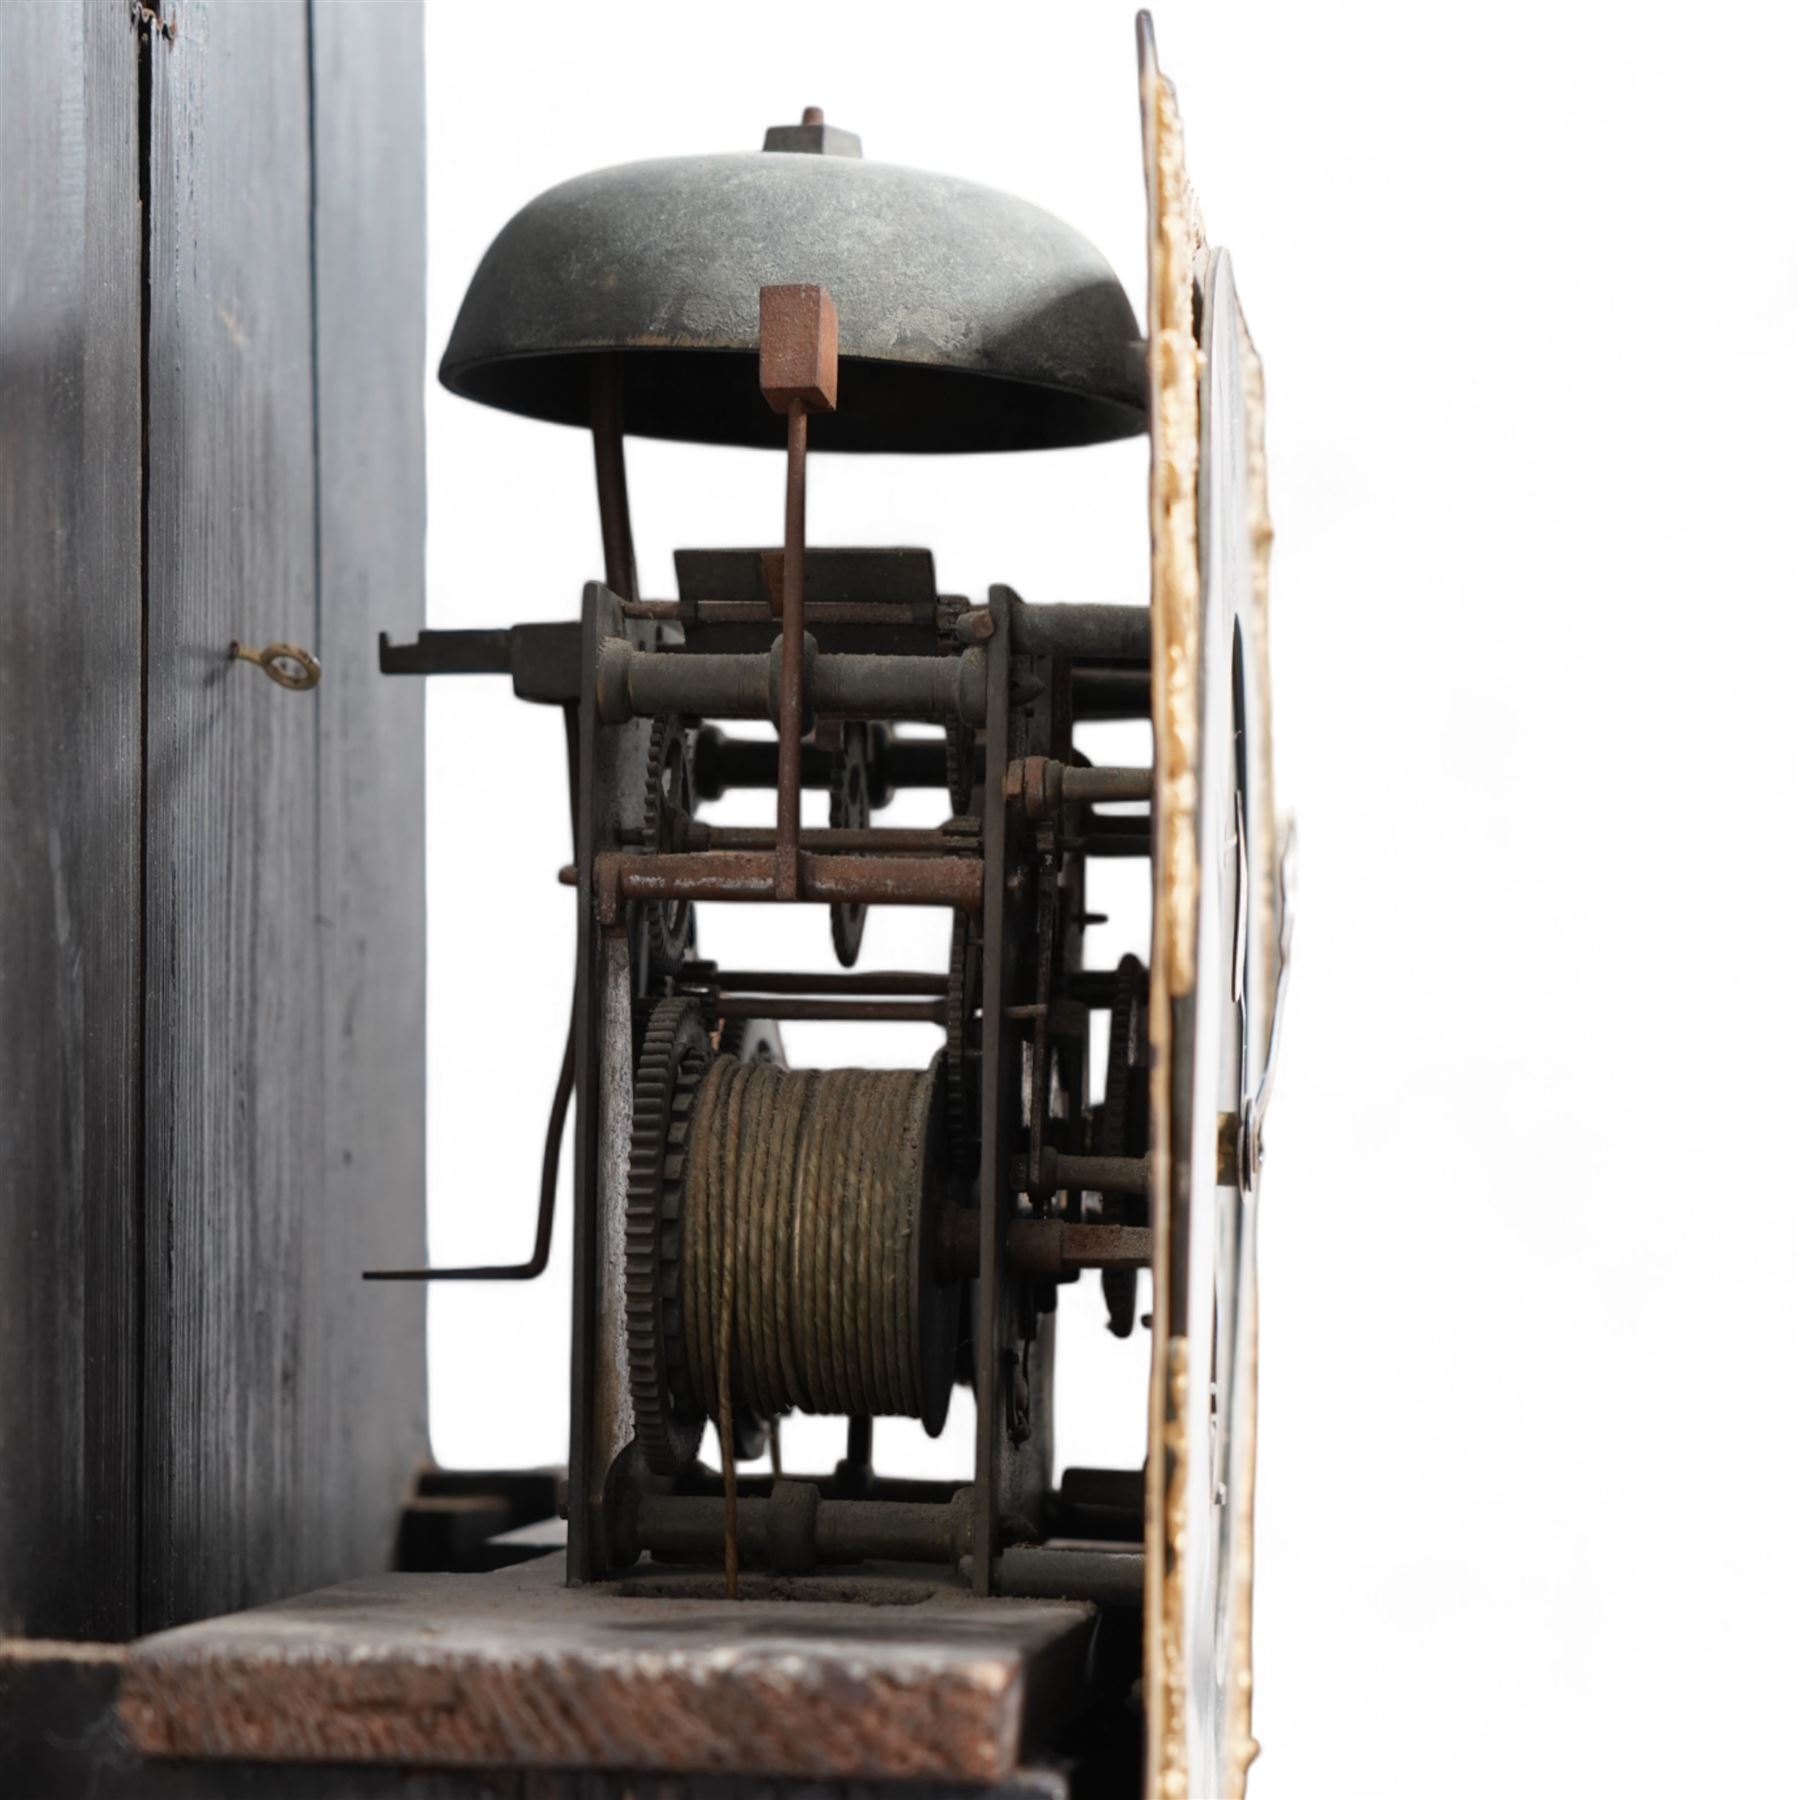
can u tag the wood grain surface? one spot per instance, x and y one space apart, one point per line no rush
70 621
365 1426
284 901
211 918
892 1676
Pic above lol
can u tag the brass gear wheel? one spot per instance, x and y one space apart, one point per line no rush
674 1057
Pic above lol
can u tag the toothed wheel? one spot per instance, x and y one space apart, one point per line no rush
962 999
850 810
673 1059
959 767
753 1040
1124 1125
668 804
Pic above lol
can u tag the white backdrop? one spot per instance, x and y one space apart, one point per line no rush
1526 285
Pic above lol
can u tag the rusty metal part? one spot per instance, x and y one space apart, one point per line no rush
792 716
699 836
777 1531
769 1006
606 420
1035 783
790 981
1109 1577
797 336
543 661
1082 632
650 683
1060 1247
1056 1172
879 840
797 356
791 1530
1057 1248
539 1260
743 875
1042 784
517 1670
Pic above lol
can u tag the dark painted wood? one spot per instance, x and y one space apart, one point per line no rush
366 1340
69 831
234 1063
211 889
283 1035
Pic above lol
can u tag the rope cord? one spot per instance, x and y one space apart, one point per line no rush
800 1226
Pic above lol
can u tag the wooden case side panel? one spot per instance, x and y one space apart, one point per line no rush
69 821
367 1340
283 1398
